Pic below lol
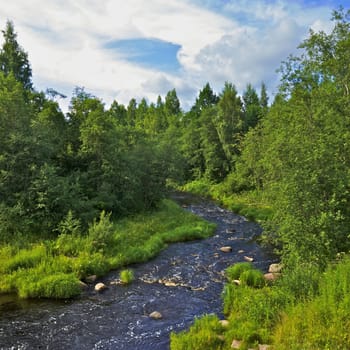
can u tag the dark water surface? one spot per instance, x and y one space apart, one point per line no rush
185 281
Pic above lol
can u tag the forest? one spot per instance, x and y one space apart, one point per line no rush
68 180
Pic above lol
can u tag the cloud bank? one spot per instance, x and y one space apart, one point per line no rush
119 50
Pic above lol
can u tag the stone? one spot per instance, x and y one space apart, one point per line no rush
248 258
275 268
82 285
156 315
226 249
237 282
236 344
99 287
90 279
240 251
264 347
271 276
224 323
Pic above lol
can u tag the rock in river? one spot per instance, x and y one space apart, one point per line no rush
156 315
226 249
99 287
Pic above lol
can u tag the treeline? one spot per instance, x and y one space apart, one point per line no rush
55 166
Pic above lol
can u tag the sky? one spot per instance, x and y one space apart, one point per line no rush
118 49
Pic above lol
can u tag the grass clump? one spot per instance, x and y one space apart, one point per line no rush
234 271
204 334
127 276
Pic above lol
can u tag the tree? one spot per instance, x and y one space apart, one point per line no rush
305 141
205 99
13 59
229 121
251 107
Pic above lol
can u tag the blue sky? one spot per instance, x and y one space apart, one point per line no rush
123 49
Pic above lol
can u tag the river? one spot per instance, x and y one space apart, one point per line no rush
183 282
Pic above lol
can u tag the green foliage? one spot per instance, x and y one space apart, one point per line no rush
235 271
323 321
252 278
24 259
127 276
204 334
13 59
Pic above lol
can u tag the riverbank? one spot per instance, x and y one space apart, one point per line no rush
56 268
183 282
251 204
305 308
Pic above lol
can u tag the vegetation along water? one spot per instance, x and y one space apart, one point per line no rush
85 191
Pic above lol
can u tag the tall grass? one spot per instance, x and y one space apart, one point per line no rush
54 268
306 309
251 204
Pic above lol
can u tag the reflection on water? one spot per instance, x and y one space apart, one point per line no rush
185 281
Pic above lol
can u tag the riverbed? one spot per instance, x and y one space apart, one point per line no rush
183 282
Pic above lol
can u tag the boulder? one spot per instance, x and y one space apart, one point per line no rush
90 279
226 249
82 285
271 276
99 287
224 323
275 268
236 344
156 315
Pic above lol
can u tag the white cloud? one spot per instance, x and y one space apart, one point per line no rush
240 42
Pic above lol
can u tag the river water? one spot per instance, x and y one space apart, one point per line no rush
183 282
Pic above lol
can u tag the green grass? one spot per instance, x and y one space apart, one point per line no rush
54 268
126 276
306 309
251 204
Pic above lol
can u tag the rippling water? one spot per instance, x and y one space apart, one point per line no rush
185 281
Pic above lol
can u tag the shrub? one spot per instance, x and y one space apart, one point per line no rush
101 233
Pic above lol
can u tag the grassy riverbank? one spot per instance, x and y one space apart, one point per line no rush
251 204
54 268
306 309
